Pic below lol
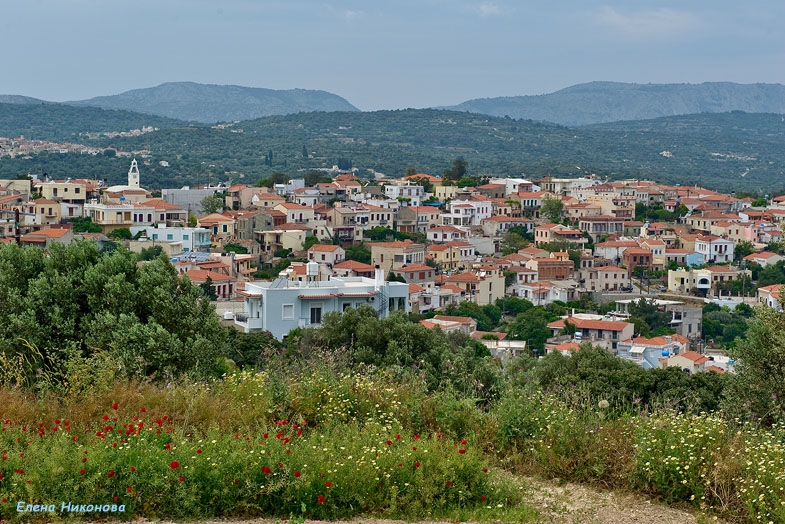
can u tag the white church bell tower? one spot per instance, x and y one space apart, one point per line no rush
133 175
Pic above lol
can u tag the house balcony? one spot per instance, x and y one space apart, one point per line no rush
249 323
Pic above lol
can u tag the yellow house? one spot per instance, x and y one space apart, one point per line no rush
46 211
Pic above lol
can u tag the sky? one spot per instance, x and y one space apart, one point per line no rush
388 54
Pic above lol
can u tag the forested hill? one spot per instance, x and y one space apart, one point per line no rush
598 102
61 122
735 151
214 103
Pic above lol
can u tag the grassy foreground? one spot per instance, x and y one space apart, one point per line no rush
327 445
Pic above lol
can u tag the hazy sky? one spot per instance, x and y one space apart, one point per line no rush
384 54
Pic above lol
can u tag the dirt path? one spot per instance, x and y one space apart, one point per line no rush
576 504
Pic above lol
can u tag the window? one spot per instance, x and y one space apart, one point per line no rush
185 237
316 315
288 312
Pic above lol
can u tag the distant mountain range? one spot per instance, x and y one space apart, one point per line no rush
582 104
599 102
208 104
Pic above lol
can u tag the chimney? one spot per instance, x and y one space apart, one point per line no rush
378 278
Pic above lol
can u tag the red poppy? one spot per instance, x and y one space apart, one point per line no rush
299 432
482 498
115 406
449 482
320 499
105 417
167 447
111 473
414 448
115 498
417 437
438 435
266 435
266 470
4 501
198 451
84 459
1 476
74 438
464 442
280 464
81 472
182 479
297 474
328 484
389 442
174 464
143 410
129 489
398 436
133 469
462 451
416 464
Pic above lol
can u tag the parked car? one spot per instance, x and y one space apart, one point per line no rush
661 288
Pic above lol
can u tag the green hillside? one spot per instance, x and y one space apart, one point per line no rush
713 149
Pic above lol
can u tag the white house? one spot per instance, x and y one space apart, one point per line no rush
282 305
715 249
408 195
467 213
189 238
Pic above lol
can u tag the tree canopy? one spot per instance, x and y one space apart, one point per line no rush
74 302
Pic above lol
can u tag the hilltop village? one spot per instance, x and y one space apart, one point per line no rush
281 257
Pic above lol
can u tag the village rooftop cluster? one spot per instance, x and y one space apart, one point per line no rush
469 245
